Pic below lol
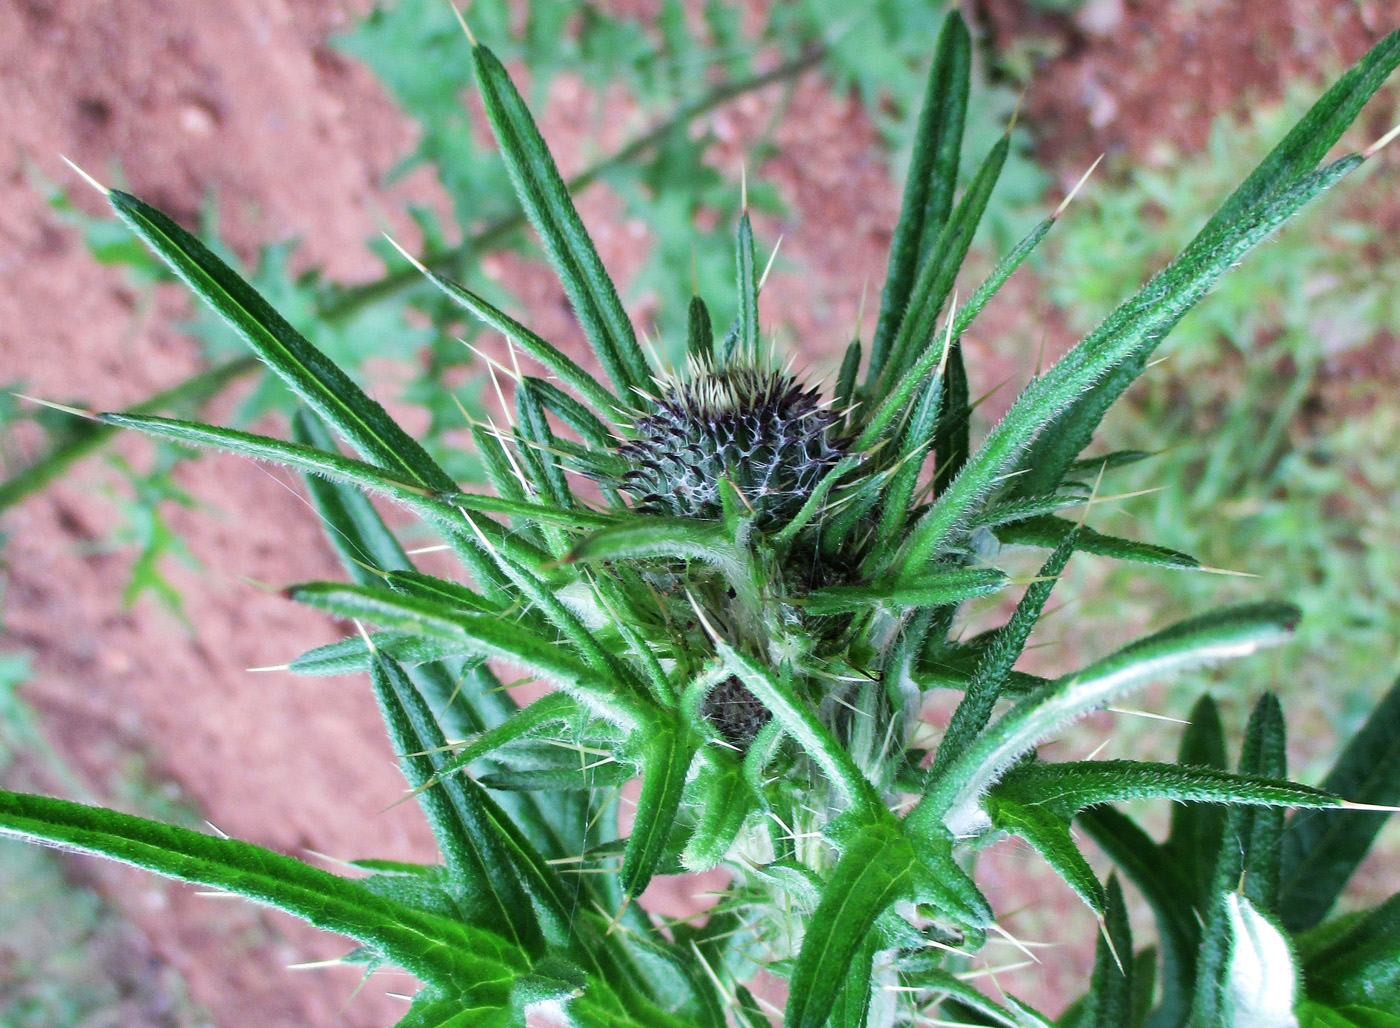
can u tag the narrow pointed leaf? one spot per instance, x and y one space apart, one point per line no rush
874 425
938 273
802 723
666 757
747 271
489 636
938 587
477 859
1221 634
1167 891
876 868
1111 988
1132 331
932 177
309 373
992 671
352 655
445 952
1048 531
546 200
1286 169
723 800
568 372
700 333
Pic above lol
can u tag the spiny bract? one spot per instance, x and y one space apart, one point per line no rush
749 621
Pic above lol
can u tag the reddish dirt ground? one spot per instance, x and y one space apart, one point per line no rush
245 99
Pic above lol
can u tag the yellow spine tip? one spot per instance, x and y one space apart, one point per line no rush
87 178
462 21
1381 143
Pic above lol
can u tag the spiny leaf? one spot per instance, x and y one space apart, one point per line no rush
936 276
477 859
1050 531
309 373
932 177
1111 988
1221 634
352 654
700 334
1133 329
666 755
489 636
454 955
989 677
580 381
746 339
877 867
938 586
1286 172
546 200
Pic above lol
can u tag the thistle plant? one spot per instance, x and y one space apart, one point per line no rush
741 590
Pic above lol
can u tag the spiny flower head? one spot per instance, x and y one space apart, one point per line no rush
759 427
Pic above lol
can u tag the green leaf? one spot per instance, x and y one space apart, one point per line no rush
302 458
658 538
1221 634
352 655
914 443
940 270
877 867
1132 331
1359 964
549 709
429 1010
1197 830
1111 988
545 198
938 587
353 527
700 334
568 372
478 859
666 756
1315 1015
802 723
1166 890
1238 862
307 371
1049 531
1048 832
873 428
1321 851
723 800
747 337
489 636
953 441
1286 172
963 996
88 436
932 177
990 675
1069 787
454 955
